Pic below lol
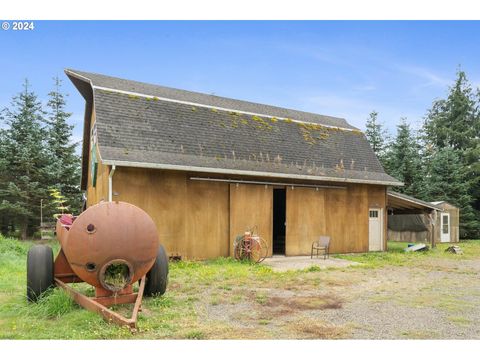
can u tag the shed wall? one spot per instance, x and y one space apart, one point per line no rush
409 236
454 222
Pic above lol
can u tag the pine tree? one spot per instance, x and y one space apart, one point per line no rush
5 221
23 181
402 160
454 123
376 136
64 168
447 182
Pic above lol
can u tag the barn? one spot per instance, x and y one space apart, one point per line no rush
207 168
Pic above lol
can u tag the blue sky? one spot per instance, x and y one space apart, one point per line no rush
338 68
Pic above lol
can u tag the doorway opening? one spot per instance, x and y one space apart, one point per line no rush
279 218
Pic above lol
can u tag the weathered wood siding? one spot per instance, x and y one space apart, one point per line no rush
100 191
341 214
200 220
305 219
251 205
208 221
454 222
191 216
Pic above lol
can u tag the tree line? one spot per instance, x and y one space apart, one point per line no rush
37 156
439 161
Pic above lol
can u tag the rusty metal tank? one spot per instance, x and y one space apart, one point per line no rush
106 236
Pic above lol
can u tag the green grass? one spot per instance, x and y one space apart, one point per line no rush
397 256
195 289
174 315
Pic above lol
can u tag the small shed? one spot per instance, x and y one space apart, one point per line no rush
447 222
414 220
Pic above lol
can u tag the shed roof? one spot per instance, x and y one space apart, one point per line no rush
400 201
152 126
441 203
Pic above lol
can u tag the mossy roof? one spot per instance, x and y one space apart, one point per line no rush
146 125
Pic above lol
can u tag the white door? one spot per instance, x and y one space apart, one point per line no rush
375 237
445 227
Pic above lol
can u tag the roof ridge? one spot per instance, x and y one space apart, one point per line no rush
220 108
83 75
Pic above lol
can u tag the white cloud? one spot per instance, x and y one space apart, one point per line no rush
429 77
356 110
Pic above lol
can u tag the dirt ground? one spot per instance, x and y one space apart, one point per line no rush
285 263
436 299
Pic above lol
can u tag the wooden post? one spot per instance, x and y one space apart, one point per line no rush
432 227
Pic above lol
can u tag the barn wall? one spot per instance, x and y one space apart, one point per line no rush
251 205
100 191
200 220
305 219
341 214
191 216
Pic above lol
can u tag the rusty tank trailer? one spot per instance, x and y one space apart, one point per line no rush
111 246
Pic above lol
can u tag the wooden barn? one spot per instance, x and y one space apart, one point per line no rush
414 220
207 168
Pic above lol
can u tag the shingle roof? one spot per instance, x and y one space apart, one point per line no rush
110 82
152 126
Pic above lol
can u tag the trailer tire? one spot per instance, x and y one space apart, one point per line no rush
39 271
157 277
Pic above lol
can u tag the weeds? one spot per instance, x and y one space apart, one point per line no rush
52 304
288 302
195 335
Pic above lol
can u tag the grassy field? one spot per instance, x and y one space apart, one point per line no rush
223 299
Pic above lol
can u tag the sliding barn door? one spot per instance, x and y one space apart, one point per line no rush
251 205
305 219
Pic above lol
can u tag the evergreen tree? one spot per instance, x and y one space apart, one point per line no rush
376 136
64 169
402 160
4 220
447 182
454 123
23 183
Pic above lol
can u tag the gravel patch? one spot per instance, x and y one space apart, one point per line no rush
386 303
286 263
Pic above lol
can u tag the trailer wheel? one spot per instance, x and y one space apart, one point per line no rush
157 277
39 271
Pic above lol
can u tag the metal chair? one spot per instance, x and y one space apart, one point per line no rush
323 243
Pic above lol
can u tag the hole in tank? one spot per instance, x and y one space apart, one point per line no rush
90 266
116 276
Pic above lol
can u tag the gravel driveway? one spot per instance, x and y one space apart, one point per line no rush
436 299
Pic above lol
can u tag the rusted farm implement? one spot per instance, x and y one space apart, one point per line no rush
110 246
250 246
